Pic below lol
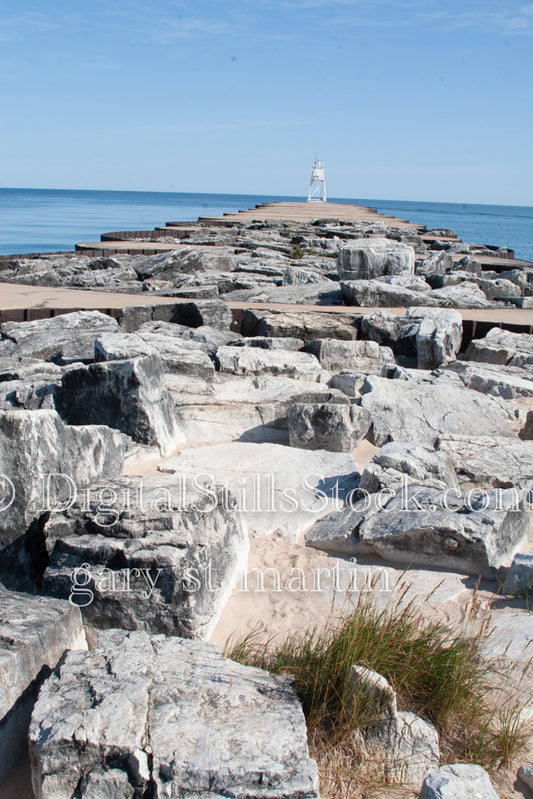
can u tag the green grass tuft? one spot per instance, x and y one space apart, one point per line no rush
439 673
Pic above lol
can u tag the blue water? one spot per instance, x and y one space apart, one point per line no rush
44 220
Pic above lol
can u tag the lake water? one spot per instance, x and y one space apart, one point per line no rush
44 220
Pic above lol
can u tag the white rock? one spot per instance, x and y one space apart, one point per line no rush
458 781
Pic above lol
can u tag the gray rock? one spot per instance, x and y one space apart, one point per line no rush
378 293
334 427
326 292
489 461
180 355
211 313
409 744
336 532
158 553
364 259
526 433
350 383
235 407
469 264
438 337
35 389
266 343
402 463
64 339
384 327
502 347
497 380
409 410
34 634
180 705
519 579
206 338
173 265
523 278
106 783
257 361
447 529
35 444
268 482
497 288
432 335
458 781
437 264
465 295
306 326
127 395
525 773
362 356
294 276
118 346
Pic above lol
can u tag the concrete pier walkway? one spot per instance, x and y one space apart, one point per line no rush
22 302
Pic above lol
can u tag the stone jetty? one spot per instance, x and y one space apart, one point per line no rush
174 401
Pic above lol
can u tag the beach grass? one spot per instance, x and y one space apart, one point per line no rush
440 673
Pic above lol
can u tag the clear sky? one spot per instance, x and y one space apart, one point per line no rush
409 100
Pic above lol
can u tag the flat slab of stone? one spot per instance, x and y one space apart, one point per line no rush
34 633
416 410
281 490
142 710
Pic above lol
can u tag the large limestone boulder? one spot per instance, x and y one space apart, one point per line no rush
447 529
465 295
399 463
411 410
436 264
127 395
487 462
248 361
44 461
329 426
438 335
64 339
177 355
146 713
502 347
200 313
361 356
519 578
508 382
158 553
34 634
175 264
205 337
431 335
29 384
237 407
378 293
456 781
306 326
364 259
267 343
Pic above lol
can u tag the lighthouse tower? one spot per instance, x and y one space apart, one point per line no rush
317 186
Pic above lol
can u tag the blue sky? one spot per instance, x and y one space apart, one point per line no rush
410 100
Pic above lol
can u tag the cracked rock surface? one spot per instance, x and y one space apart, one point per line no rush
169 716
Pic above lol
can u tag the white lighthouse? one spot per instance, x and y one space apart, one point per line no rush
317 186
